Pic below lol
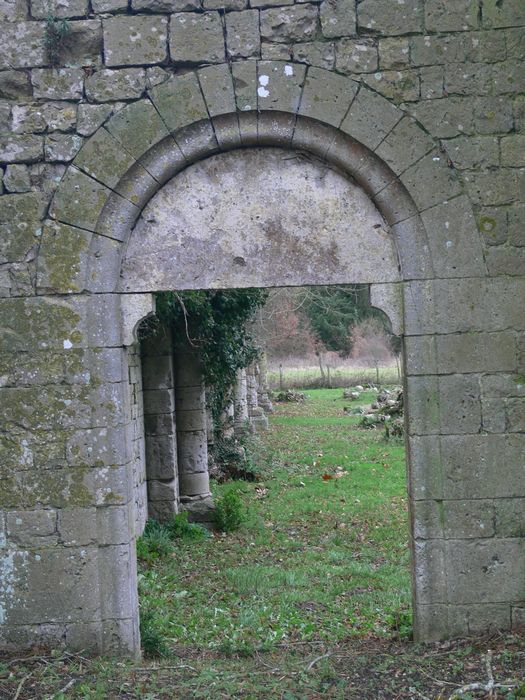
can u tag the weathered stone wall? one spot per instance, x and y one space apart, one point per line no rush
422 103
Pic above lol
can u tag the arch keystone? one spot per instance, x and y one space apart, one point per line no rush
279 85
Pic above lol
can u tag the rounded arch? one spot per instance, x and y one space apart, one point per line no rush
213 109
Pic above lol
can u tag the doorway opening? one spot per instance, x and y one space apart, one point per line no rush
301 488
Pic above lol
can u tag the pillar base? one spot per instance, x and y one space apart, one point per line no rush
200 509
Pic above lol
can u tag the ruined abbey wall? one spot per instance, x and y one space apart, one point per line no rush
421 103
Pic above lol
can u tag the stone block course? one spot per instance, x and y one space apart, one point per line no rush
314 54
476 352
69 9
82 46
109 85
493 115
279 52
394 52
15 85
473 153
38 118
451 15
506 260
30 35
453 237
242 34
57 83
338 19
298 23
135 40
61 147
489 570
270 3
431 79
398 86
12 10
390 19
356 56
509 14
21 149
16 178
446 117
197 38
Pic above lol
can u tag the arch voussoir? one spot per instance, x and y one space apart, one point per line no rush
370 118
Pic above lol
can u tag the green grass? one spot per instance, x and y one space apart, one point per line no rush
317 559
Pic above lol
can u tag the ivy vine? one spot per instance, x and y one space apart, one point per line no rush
214 322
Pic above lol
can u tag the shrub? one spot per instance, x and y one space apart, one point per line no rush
229 511
151 637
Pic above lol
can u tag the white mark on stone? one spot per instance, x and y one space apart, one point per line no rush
264 79
436 159
378 76
263 92
288 70
448 244
447 224
67 344
247 108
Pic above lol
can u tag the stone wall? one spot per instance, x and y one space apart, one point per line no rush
422 103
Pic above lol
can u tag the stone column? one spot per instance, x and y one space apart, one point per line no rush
159 420
258 420
240 404
191 426
227 417
262 384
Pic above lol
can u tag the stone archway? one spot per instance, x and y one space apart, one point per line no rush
468 558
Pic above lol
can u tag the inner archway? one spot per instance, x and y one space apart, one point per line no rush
253 217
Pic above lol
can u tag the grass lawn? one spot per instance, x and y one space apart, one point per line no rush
309 599
319 558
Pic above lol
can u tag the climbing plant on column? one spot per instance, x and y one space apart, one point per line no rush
214 322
